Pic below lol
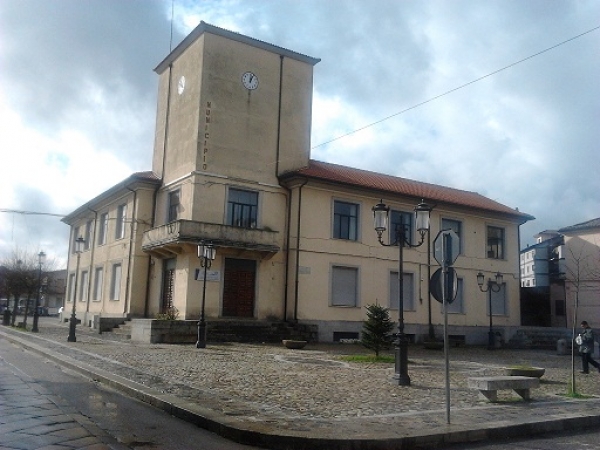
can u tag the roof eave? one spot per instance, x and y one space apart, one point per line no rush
126 183
521 217
204 27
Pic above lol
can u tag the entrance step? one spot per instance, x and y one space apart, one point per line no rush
538 338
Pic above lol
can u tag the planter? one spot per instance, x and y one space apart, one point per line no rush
293 344
536 372
433 345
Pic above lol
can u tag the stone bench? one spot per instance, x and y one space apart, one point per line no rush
489 386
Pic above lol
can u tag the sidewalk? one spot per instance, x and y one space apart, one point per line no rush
270 396
32 418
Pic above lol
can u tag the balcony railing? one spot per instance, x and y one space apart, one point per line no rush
172 237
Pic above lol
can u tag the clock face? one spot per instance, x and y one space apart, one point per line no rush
250 81
181 85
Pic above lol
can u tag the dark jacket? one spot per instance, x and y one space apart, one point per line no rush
587 346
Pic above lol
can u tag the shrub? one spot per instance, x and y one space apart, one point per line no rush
377 329
170 314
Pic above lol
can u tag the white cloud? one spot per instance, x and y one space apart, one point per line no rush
78 96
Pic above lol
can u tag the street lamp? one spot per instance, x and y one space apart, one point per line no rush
381 216
36 315
206 253
79 243
492 286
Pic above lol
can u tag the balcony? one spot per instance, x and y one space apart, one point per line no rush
171 239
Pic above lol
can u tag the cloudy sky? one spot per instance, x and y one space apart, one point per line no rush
78 97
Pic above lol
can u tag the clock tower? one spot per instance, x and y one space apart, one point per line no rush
232 106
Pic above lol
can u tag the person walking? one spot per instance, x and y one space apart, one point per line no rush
586 348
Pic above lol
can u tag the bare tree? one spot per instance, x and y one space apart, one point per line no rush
581 272
20 278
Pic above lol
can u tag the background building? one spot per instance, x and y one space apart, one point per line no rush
560 277
581 269
542 282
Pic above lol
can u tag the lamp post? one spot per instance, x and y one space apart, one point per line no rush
36 314
79 242
381 216
491 286
206 253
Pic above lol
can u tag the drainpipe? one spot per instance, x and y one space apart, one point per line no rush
92 248
297 281
131 245
167 118
148 272
288 222
289 192
519 272
279 117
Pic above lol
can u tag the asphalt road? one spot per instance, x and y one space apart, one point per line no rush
561 441
131 422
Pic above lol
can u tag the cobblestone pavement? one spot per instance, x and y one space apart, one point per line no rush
317 392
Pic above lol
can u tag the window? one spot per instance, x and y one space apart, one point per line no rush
173 213
71 287
345 220
242 208
456 226
399 219
457 306
115 283
75 236
83 287
98 278
103 229
344 286
121 215
495 243
408 290
499 302
88 235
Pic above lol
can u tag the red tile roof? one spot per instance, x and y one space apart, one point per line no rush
145 175
431 193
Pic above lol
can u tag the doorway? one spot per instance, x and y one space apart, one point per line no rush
168 285
239 285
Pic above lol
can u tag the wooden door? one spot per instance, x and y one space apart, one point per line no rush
239 287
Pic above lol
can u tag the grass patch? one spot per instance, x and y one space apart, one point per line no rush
577 395
521 367
368 358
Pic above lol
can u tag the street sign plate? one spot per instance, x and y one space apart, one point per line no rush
435 285
446 247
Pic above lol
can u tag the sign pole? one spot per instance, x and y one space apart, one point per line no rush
446 249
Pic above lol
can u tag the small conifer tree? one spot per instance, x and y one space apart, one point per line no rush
377 329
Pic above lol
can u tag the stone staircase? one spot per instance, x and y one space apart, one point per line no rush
122 330
538 338
258 331
224 330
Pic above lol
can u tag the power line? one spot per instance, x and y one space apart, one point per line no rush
30 213
457 88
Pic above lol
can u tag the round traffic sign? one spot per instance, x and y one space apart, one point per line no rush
436 285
